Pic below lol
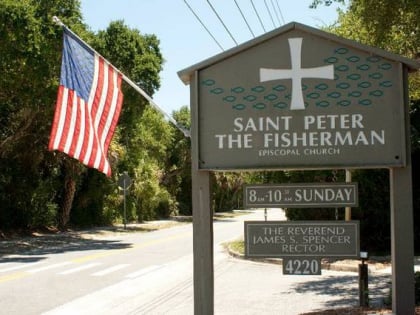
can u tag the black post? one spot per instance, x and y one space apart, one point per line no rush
363 284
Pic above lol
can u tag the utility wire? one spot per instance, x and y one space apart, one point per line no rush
243 16
275 11
221 21
201 22
281 14
269 13
259 18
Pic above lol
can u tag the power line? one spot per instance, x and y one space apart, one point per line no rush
269 13
281 14
201 22
243 16
221 21
259 18
275 11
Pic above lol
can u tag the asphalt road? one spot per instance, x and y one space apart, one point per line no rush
151 273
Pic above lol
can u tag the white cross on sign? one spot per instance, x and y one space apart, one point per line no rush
296 73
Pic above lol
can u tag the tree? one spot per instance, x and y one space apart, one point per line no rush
177 177
383 19
29 42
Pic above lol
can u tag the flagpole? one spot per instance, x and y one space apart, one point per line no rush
138 89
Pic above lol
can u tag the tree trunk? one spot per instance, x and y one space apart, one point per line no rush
71 172
68 196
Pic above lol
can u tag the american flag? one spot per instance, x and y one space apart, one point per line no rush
88 105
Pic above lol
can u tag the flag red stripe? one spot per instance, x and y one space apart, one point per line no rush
76 128
100 160
68 99
92 145
114 121
101 116
72 112
87 131
57 115
117 98
81 129
107 116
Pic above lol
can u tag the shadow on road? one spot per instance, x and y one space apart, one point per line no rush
346 287
21 259
49 244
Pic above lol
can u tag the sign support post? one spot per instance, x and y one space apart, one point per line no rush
202 244
402 235
202 223
402 245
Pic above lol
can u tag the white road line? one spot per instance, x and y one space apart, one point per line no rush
109 270
144 271
24 265
50 267
83 267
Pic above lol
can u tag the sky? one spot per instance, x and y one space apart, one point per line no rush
183 39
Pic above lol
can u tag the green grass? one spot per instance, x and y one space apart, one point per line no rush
236 246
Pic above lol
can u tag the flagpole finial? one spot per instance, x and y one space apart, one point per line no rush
57 21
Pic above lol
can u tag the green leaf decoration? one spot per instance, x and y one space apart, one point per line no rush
376 93
279 88
341 51
355 94
280 105
354 76
250 98
217 91
208 82
259 106
239 106
385 66
342 68
313 95
321 86
353 59
258 89
376 75
334 94
271 97
364 67
237 89
386 84
343 85
344 103
364 84
323 104
365 102
331 60
229 98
